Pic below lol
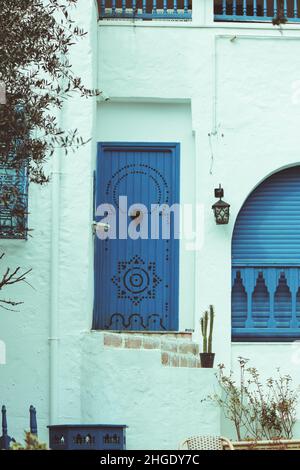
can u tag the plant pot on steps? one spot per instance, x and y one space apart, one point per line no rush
207 360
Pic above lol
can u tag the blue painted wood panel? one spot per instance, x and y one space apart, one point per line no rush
266 261
267 230
136 281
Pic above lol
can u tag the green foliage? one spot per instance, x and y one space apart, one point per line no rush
36 37
211 327
36 78
31 442
207 319
259 411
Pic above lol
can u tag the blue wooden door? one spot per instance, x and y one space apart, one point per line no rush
136 280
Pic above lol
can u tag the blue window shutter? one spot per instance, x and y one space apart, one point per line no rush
266 261
267 229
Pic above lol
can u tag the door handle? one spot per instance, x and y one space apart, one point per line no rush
101 225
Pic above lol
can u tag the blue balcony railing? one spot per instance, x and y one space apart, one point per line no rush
266 303
146 9
257 10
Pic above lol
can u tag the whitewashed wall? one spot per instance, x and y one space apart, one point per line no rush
161 406
242 83
24 380
166 81
147 121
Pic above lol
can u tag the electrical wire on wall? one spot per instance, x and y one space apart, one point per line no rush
212 157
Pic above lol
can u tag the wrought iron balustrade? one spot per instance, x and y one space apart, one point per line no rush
13 201
257 10
146 9
266 303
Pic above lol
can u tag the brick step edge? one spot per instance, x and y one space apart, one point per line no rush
180 360
168 345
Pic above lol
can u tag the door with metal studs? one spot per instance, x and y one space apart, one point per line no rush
136 277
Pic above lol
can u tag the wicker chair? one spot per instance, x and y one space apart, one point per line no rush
206 443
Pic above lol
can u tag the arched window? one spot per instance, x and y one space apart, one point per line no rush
266 261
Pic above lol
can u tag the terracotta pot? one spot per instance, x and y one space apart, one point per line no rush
207 360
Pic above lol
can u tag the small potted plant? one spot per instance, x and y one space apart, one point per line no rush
207 357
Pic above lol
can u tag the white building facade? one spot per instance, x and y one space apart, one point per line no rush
225 95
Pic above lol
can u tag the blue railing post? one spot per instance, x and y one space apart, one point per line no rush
275 8
123 7
165 7
254 8
113 7
265 12
33 422
154 11
175 7
295 8
244 7
224 7
102 7
234 8
5 439
186 6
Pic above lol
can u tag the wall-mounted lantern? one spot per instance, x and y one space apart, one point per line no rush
221 208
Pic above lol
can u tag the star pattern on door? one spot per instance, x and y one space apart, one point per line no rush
136 280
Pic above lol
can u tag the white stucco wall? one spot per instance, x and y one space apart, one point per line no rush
24 379
160 405
237 97
242 83
166 82
143 121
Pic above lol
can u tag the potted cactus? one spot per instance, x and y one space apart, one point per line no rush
207 357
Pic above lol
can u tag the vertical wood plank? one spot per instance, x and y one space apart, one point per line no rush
249 280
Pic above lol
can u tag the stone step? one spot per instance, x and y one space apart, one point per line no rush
180 360
176 350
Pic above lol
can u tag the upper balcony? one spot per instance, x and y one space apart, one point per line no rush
258 11
146 9
274 11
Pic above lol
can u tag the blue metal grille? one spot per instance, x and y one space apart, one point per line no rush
257 10
146 9
13 201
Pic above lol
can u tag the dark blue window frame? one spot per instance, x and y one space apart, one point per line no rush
13 201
